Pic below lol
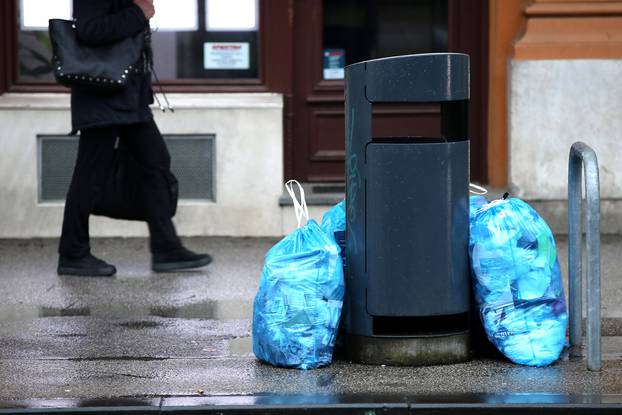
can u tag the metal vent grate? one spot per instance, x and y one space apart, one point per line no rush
57 156
192 161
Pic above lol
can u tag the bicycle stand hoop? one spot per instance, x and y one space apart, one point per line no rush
583 159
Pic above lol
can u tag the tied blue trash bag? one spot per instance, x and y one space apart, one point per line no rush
517 281
298 305
334 224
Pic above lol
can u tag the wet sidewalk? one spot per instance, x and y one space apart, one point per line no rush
30 287
183 340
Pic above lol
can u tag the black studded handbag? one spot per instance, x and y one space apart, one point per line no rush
99 67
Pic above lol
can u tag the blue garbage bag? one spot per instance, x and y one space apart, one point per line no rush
334 224
298 305
334 219
517 281
475 203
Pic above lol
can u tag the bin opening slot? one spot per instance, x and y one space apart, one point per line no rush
399 119
420 325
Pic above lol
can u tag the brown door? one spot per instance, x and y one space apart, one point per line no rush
370 29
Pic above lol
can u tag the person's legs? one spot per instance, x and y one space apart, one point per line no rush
149 149
95 152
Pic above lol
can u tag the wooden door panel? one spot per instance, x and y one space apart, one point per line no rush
326 138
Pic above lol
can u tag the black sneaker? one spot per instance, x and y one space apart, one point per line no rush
87 266
179 260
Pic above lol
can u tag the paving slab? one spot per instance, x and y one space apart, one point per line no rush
29 286
92 358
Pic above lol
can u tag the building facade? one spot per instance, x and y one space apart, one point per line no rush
257 87
554 79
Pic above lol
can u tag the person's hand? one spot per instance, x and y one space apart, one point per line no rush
147 7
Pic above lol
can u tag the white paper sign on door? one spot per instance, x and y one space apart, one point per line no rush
226 55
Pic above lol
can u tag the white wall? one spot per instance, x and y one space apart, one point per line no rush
249 160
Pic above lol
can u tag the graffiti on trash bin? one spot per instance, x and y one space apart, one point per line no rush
354 185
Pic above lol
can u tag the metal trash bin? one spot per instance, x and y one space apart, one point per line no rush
407 269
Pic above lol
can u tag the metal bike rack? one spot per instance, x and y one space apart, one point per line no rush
581 155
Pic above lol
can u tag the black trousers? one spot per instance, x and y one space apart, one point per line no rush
93 166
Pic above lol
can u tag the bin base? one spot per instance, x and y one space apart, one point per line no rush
409 351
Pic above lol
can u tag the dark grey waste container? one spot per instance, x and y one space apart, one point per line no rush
407 271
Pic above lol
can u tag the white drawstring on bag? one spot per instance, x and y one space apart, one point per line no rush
300 208
477 190
302 211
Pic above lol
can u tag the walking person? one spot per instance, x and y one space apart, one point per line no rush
104 118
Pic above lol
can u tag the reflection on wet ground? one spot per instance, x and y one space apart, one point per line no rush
241 346
330 404
30 287
209 309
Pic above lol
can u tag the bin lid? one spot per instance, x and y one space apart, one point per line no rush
429 77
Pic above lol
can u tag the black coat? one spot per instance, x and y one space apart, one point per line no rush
100 22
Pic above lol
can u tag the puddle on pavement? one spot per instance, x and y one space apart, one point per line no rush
140 325
241 346
116 358
214 310
211 310
17 312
